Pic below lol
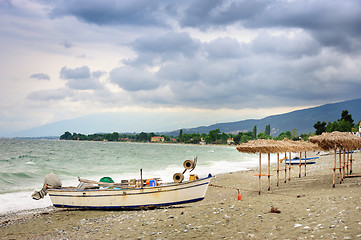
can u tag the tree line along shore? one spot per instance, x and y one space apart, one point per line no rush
344 124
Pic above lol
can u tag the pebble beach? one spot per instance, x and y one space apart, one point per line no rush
302 208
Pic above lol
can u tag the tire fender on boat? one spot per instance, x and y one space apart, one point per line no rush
178 177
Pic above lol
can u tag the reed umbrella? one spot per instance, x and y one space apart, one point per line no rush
337 140
299 146
262 146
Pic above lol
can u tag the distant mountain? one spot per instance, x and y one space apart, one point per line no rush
107 122
302 120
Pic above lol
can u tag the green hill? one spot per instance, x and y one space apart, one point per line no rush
303 120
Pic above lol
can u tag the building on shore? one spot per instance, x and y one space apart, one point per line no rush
358 134
157 139
230 141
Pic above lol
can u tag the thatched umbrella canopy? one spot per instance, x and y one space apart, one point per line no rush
338 140
298 146
272 146
341 140
269 146
261 146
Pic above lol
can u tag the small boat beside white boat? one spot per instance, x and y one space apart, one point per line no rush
133 194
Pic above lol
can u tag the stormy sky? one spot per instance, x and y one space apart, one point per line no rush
199 61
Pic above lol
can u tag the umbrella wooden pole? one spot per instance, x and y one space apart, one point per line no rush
305 163
278 169
348 160
299 166
334 171
141 178
351 164
289 166
344 164
259 177
269 176
340 165
285 167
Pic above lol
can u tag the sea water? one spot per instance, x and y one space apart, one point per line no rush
25 162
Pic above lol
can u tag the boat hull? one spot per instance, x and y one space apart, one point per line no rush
298 163
148 197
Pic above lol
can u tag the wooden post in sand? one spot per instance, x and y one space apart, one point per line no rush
285 167
299 166
334 170
269 176
141 178
344 164
340 166
348 160
351 164
278 169
259 177
305 162
289 167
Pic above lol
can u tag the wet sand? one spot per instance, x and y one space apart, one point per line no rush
307 208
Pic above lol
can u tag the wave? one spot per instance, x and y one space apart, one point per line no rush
8 177
28 156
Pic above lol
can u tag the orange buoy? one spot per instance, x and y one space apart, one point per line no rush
239 195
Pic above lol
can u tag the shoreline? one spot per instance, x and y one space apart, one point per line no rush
309 208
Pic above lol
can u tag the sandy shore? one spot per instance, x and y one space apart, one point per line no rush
309 209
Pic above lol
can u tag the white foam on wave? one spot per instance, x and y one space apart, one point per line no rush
18 201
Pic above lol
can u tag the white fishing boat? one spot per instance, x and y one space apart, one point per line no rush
130 198
128 194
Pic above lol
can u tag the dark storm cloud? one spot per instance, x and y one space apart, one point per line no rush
300 51
40 76
141 12
332 23
313 15
269 71
81 78
165 47
294 47
319 15
209 13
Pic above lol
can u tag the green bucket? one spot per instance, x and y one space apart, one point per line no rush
106 180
